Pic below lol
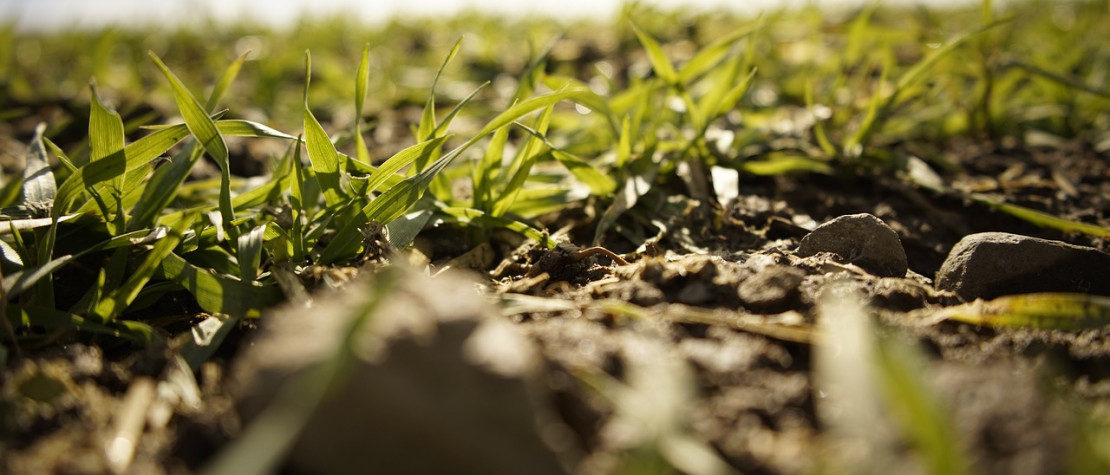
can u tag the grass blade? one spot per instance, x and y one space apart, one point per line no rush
39 187
1058 311
1041 219
250 253
321 151
112 305
204 129
362 81
219 294
659 62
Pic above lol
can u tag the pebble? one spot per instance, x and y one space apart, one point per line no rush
988 265
860 239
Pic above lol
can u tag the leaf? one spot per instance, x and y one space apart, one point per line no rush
600 184
711 55
196 119
39 187
219 294
204 129
477 216
781 163
403 158
250 253
52 319
16 283
659 62
136 157
225 81
1053 311
362 80
113 304
1040 218
207 336
324 158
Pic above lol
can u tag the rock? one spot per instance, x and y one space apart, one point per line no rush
401 373
987 265
860 239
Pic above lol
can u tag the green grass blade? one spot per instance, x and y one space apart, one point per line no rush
18 282
487 168
196 119
204 129
250 253
922 418
521 166
219 294
113 304
1041 219
659 62
600 184
52 319
321 151
134 162
39 186
1054 311
712 54
224 83
470 215
403 158
362 82
427 125
246 128
296 202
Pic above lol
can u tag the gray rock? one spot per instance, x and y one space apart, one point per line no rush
860 239
987 265
401 373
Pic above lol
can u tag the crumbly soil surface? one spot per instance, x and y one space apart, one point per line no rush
716 286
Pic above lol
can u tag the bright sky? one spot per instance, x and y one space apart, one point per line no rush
38 14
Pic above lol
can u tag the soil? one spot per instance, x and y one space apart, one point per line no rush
716 286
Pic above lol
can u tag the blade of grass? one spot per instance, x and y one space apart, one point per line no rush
51 319
204 129
219 294
113 304
659 62
1055 311
1040 218
600 184
321 151
362 82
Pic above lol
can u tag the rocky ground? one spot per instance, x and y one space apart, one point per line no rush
696 347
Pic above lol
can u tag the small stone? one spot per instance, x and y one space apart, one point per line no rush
860 239
987 265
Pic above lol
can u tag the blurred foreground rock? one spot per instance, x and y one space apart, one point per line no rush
988 265
428 378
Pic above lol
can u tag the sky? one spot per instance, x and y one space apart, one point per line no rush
54 14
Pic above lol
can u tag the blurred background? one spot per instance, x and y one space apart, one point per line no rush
56 14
